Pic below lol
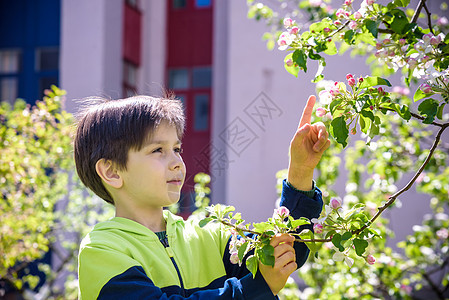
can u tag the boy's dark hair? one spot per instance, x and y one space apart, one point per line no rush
108 129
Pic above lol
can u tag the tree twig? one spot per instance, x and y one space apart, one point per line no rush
409 184
429 21
418 11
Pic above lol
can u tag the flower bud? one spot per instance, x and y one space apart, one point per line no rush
289 62
281 212
427 89
380 90
294 30
435 40
402 42
234 257
318 228
348 2
426 38
351 81
370 259
288 22
349 75
335 203
370 2
386 41
371 107
353 24
357 15
327 30
353 131
320 112
337 23
360 79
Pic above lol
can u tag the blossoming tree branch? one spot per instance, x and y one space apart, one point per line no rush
395 42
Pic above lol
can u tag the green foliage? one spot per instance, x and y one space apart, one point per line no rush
43 206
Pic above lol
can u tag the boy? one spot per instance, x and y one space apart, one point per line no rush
128 152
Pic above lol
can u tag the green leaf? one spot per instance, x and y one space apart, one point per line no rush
299 222
360 246
346 236
440 111
349 37
373 81
306 234
300 58
400 21
242 250
262 227
266 255
204 221
428 108
372 27
252 264
419 94
336 240
339 130
294 69
355 209
331 48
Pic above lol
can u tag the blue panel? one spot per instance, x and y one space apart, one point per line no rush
29 25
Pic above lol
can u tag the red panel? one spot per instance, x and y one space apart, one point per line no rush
132 34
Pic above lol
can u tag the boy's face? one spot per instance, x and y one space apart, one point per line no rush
155 174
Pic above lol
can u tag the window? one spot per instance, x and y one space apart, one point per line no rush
133 3
9 69
201 121
182 98
202 3
47 59
177 4
129 79
9 61
202 77
8 89
178 79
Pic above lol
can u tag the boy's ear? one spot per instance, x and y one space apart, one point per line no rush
109 173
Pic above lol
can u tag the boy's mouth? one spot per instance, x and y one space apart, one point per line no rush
175 181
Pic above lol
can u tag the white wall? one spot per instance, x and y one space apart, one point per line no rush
91 49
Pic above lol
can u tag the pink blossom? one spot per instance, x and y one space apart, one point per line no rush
427 89
370 259
288 22
315 3
281 212
370 2
234 257
335 203
341 13
320 111
357 15
435 40
402 42
318 228
353 24
337 23
327 29
349 76
412 62
379 46
386 41
426 38
348 2
294 30
443 233
406 288
351 81
289 62
442 21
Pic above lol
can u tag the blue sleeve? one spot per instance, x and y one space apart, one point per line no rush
135 284
301 205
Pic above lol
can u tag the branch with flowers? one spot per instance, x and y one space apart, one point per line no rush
394 40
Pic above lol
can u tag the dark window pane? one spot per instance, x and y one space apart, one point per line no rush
8 89
183 100
201 112
179 3
203 3
9 61
202 77
47 59
178 79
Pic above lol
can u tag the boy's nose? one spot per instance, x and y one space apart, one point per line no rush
176 163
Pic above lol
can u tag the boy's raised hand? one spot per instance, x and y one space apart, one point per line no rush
284 263
306 149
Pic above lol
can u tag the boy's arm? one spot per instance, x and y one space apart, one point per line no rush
299 193
131 282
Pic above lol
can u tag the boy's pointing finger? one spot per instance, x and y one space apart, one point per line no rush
307 113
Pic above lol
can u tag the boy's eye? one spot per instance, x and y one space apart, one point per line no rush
179 150
157 150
